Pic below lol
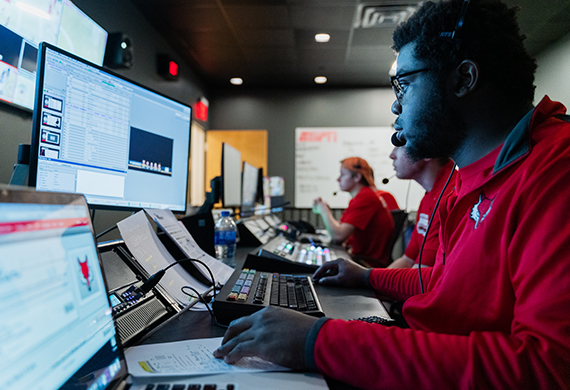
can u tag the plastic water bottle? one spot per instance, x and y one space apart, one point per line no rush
225 235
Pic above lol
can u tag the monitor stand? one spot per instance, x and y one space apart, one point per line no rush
22 168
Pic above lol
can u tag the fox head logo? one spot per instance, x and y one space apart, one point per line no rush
481 209
87 276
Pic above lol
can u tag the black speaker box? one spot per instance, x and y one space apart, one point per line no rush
119 52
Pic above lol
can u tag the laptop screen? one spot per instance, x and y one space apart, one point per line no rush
56 325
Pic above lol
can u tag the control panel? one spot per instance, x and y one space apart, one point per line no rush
310 253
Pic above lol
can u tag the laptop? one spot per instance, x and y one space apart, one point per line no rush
57 325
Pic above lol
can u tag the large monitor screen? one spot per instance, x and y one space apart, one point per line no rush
24 24
99 134
231 176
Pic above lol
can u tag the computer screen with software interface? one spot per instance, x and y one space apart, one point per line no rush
96 133
57 324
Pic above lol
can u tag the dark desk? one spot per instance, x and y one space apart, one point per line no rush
341 303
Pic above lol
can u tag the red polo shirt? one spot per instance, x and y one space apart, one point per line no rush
374 228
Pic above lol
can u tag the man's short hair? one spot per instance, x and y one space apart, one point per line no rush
490 36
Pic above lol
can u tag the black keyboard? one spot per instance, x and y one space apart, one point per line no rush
249 290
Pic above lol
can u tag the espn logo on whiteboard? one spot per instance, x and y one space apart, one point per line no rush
317 136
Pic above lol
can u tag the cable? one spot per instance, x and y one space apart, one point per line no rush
428 227
106 231
155 278
408 194
200 297
198 261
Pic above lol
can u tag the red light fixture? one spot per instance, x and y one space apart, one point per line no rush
166 67
173 69
201 109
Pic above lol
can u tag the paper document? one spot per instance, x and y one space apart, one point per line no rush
180 235
189 357
151 254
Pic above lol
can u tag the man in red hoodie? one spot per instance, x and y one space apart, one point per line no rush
434 175
493 311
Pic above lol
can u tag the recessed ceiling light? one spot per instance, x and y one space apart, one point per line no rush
236 81
320 79
322 37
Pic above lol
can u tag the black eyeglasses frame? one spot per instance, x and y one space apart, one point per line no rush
397 87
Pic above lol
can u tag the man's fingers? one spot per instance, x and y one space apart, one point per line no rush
242 349
236 327
228 346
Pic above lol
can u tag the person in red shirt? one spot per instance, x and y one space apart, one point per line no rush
366 226
432 174
385 196
492 313
388 198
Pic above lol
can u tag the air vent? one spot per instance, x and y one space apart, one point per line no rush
382 16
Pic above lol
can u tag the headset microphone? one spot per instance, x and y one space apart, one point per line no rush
397 141
387 179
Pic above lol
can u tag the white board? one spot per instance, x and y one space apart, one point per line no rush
319 150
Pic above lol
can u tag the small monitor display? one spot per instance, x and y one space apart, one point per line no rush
99 134
69 332
249 183
24 24
231 176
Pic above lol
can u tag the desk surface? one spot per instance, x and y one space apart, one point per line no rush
343 303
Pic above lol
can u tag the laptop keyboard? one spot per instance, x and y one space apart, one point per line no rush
190 386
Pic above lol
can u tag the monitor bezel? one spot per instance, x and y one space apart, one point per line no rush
36 125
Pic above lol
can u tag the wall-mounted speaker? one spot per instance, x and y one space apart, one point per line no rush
119 52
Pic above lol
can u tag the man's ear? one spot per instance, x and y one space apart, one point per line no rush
468 73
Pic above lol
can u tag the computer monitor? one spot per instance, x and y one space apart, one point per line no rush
23 25
231 176
94 132
249 182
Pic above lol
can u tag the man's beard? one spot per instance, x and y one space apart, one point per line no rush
439 131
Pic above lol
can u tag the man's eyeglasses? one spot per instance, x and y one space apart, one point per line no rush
397 85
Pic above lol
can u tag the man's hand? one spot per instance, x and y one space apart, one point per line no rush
342 272
402 262
275 334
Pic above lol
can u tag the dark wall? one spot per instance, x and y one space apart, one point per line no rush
113 16
280 112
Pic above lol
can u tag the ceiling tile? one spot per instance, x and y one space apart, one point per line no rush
267 16
320 16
